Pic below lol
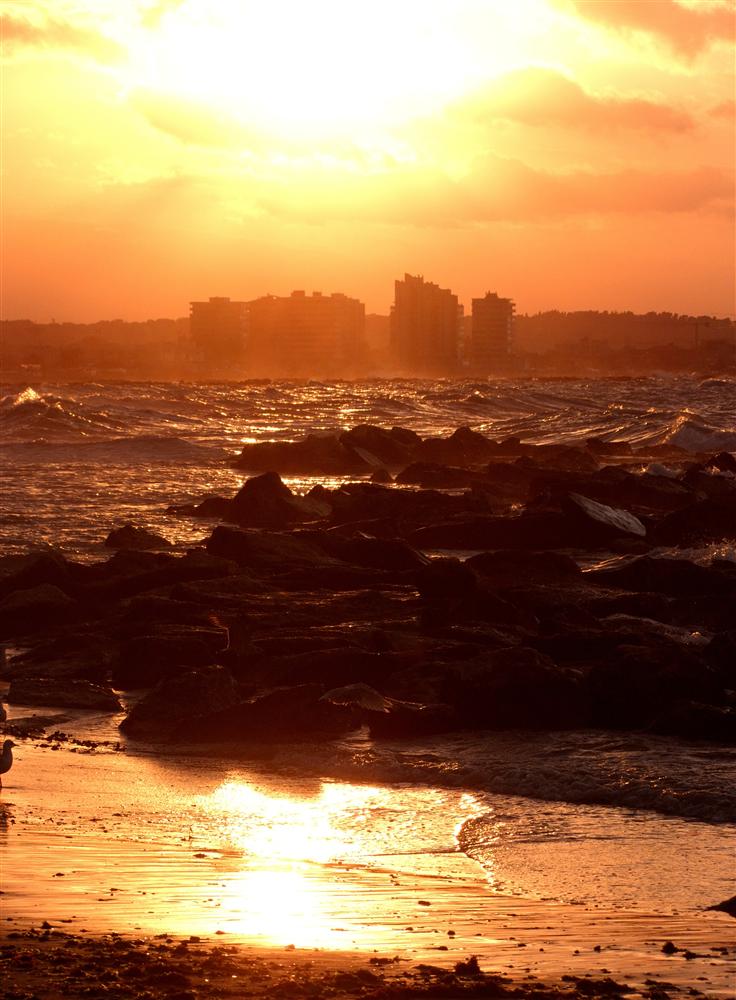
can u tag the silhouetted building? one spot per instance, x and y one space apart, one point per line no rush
305 334
218 330
492 333
425 327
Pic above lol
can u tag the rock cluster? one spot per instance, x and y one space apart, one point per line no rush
576 602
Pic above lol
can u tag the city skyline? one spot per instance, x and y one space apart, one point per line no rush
582 153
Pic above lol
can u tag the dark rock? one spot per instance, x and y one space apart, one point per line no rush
600 520
35 570
720 653
86 656
389 447
344 665
263 501
382 475
26 612
283 715
600 447
517 687
727 906
266 551
391 718
373 553
694 721
315 455
131 537
724 461
451 591
675 577
507 568
193 693
711 520
63 693
145 660
430 475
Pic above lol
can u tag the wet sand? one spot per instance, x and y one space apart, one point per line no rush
78 857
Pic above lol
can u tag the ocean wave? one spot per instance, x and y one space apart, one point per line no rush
30 415
115 451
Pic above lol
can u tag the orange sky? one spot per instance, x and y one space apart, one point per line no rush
567 153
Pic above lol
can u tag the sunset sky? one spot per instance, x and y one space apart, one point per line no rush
567 153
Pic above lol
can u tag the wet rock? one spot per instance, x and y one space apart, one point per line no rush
507 568
451 591
131 537
263 501
675 577
146 659
430 475
517 687
30 611
283 715
314 455
266 551
62 693
193 693
691 720
565 458
392 448
344 665
373 553
87 656
727 906
34 570
711 520
599 521
382 476
391 717
600 447
724 461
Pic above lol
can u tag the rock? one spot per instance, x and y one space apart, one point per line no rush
711 520
410 720
144 660
392 448
82 655
266 551
600 520
430 475
131 537
506 568
724 461
600 447
26 612
691 720
720 653
675 577
359 696
315 455
283 715
62 693
177 699
727 906
263 501
35 570
382 475
452 591
344 665
517 687
373 553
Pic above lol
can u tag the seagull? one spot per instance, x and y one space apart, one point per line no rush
6 758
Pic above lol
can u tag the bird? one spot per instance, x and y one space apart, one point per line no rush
6 758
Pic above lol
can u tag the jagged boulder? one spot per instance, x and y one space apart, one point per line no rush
131 537
145 660
175 700
63 692
30 611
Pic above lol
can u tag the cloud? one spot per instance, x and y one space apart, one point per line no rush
688 30
192 123
537 96
27 31
726 109
500 190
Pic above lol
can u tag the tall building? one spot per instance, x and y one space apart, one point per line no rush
492 335
304 334
425 327
218 330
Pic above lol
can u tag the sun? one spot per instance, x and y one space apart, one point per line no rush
321 69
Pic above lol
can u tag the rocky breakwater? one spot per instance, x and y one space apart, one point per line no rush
579 602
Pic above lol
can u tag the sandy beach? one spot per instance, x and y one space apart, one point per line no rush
85 857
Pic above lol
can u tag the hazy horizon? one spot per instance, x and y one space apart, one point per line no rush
564 153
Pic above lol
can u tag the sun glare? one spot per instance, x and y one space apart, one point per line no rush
323 69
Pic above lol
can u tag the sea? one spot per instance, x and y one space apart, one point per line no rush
630 820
